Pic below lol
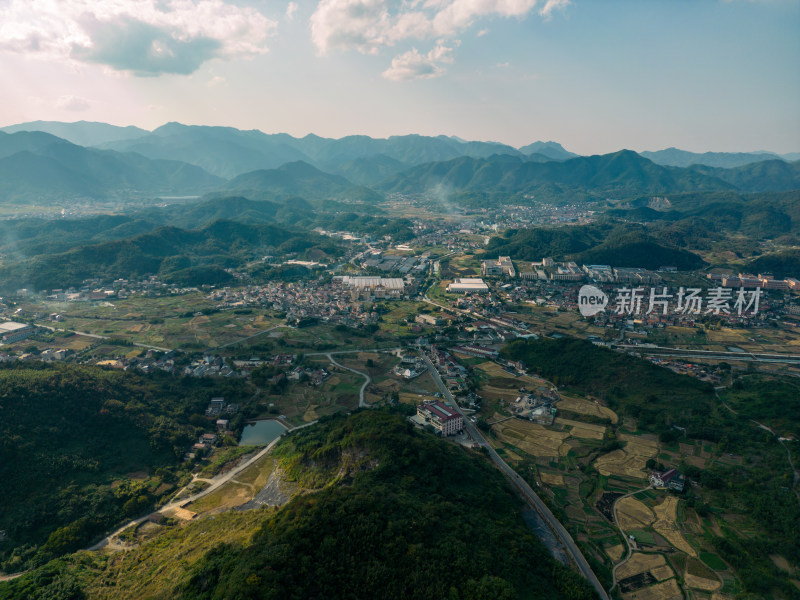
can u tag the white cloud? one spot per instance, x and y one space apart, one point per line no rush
291 8
547 10
369 25
413 65
147 37
73 103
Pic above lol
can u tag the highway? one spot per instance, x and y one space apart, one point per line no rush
535 502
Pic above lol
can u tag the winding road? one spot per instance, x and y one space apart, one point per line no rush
362 402
532 498
625 537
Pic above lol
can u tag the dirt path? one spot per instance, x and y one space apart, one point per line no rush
216 482
629 553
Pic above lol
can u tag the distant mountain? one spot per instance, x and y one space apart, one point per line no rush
370 170
552 150
82 133
769 175
223 151
228 152
298 179
621 174
36 166
726 160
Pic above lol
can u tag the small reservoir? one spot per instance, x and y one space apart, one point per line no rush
261 433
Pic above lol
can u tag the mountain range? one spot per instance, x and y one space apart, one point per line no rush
175 159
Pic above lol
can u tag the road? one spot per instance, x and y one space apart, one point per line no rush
217 482
532 498
362 401
625 537
713 354
250 337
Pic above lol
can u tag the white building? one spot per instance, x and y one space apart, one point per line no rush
468 286
11 332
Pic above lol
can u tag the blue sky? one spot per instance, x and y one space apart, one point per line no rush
595 75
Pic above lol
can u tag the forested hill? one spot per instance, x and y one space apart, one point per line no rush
401 516
605 243
186 257
394 514
70 436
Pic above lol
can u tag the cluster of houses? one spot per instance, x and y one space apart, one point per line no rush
209 365
453 374
410 367
218 406
327 301
537 407
95 290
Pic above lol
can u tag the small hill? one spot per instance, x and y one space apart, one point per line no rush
219 245
389 513
780 264
299 179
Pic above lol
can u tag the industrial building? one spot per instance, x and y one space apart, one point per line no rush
468 286
11 332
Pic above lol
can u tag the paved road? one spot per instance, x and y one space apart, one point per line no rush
250 337
362 402
535 502
218 481
714 354
354 351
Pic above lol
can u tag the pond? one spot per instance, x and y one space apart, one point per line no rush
261 433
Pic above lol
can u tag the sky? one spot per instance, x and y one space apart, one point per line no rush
594 75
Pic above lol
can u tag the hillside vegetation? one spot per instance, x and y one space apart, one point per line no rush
396 515
70 438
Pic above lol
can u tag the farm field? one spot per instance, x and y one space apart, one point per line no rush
574 470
